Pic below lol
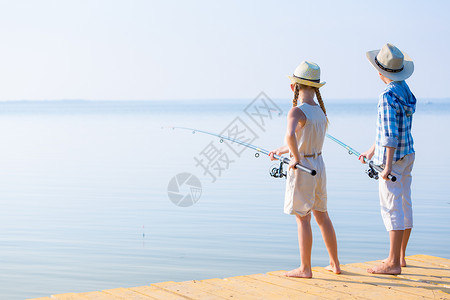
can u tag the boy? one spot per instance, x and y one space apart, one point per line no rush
394 151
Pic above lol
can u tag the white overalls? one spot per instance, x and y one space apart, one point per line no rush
303 191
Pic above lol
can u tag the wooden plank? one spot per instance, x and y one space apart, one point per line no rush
68 296
358 272
128 294
436 276
191 289
330 286
425 277
443 262
427 266
229 293
97 296
244 291
423 272
157 293
247 286
367 288
84 296
335 283
219 291
305 286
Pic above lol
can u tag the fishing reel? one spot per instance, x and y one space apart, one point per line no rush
372 173
278 172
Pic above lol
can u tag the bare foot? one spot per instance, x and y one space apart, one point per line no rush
385 268
334 269
402 262
299 273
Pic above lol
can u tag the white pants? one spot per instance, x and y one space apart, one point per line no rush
395 197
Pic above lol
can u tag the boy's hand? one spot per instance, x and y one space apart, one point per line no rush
385 173
368 154
365 156
362 158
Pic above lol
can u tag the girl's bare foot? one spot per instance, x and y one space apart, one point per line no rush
299 273
385 268
334 269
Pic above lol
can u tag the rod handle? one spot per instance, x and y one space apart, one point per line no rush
379 170
310 171
300 167
392 178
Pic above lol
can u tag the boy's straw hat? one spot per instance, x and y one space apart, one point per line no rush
307 73
391 62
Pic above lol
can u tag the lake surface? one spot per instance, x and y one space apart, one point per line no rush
85 203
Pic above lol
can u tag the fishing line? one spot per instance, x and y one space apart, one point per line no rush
275 172
373 170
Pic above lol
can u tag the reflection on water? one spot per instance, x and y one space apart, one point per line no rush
85 205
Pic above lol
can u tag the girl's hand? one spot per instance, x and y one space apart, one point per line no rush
276 152
292 163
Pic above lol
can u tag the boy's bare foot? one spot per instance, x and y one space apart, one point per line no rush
402 262
385 268
299 273
334 269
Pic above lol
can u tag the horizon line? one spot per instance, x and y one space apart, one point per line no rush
196 100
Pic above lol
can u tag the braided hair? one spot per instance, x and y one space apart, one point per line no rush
296 91
322 106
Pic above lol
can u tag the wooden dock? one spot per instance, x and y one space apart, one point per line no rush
426 277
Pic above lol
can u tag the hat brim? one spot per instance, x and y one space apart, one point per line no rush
408 66
306 82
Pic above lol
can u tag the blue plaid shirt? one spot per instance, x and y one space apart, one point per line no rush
396 107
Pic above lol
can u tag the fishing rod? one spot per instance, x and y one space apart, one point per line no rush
373 169
275 172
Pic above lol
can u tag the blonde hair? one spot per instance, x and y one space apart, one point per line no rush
297 88
296 91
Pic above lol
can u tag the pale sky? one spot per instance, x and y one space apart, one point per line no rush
157 50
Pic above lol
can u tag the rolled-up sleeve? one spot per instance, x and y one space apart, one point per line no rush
388 111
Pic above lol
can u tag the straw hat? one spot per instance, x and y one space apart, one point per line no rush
307 73
391 62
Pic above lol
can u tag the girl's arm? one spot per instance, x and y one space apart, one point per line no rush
295 117
279 151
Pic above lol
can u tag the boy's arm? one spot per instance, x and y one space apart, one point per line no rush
389 121
367 155
388 168
390 132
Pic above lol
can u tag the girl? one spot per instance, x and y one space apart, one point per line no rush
307 124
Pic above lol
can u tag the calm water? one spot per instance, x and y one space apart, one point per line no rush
85 205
